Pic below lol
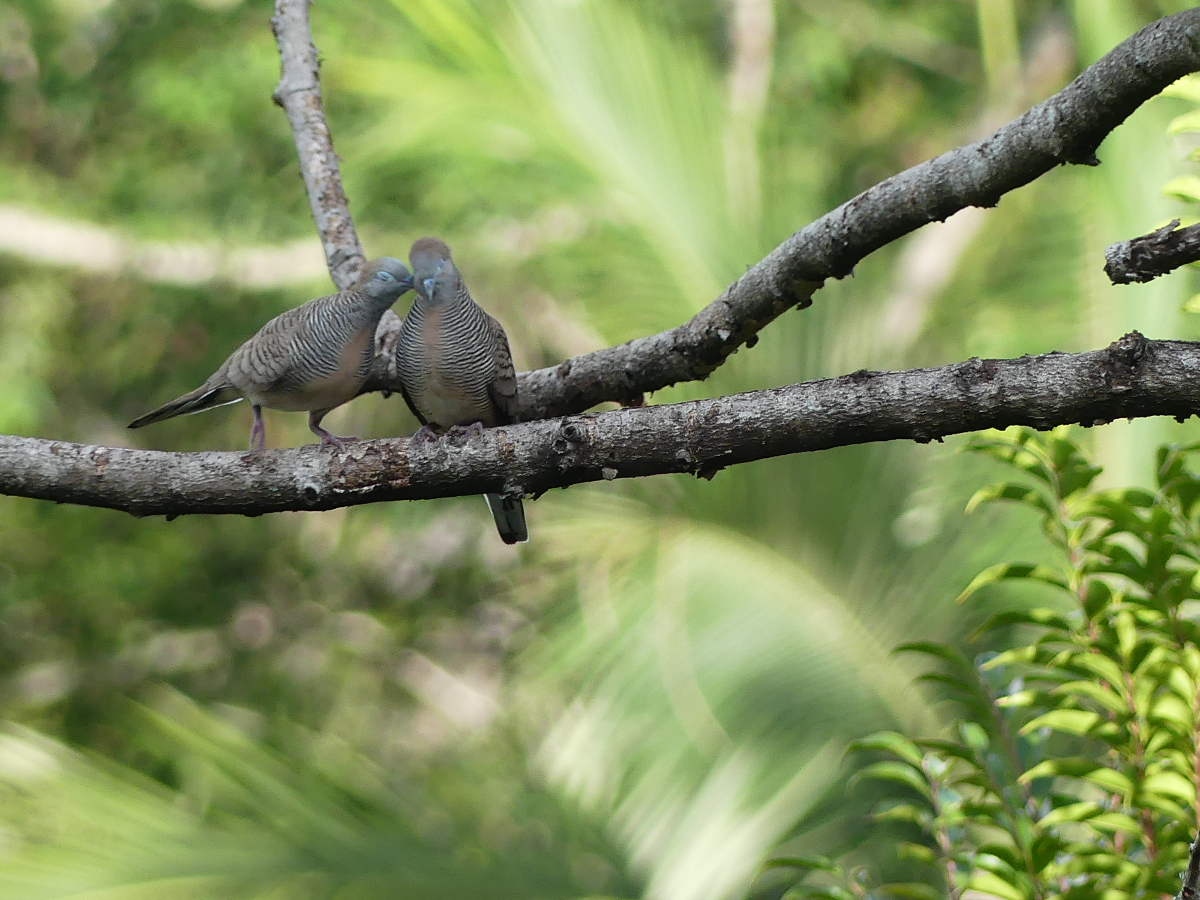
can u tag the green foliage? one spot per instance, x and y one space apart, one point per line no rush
1073 769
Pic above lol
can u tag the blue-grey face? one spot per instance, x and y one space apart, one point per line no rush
430 284
387 278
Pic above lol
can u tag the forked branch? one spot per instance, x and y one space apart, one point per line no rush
1133 377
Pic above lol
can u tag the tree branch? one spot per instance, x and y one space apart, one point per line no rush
1066 128
1133 377
299 93
1190 889
1151 255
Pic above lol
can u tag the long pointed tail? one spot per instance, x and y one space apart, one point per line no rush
206 396
509 516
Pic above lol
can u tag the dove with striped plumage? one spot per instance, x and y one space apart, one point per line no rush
455 366
312 358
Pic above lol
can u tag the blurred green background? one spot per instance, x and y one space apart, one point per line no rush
655 692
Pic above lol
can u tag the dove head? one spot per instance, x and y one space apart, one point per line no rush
384 280
433 270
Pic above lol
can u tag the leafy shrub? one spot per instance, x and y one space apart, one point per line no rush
1073 770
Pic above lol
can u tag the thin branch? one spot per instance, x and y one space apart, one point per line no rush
1134 377
299 93
1190 890
1067 128
1145 258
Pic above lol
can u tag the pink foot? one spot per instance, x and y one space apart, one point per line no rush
328 438
475 429
258 431
425 435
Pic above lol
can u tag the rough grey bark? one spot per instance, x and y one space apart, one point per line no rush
1190 889
1151 255
299 93
1066 128
1133 377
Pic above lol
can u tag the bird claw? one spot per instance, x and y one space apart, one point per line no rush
425 435
459 433
337 441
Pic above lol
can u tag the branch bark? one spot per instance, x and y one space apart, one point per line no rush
1190 889
1147 257
299 93
1133 377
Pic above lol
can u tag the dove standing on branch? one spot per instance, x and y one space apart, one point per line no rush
456 369
312 358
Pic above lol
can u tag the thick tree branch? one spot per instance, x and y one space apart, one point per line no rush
1133 377
1067 128
299 93
1149 256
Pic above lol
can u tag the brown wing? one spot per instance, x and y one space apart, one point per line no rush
267 358
503 390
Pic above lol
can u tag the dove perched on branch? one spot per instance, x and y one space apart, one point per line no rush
455 366
312 358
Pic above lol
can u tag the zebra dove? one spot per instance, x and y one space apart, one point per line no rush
312 358
455 365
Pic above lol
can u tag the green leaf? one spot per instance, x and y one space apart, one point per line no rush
1075 812
1171 784
1015 493
897 772
904 812
805 863
1106 697
890 742
1012 572
1115 821
987 883
1185 187
913 891
1046 618
916 852
1022 699
1098 664
1171 709
1070 721
1110 780
1068 767
1186 88
938 651
1188 122
820 891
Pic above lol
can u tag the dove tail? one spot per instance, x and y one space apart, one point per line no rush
509 516
204 397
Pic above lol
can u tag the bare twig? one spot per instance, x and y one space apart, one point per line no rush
299 93
1066 128
1133 377
1149 256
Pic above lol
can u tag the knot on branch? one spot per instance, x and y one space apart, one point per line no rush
1126 358
569 437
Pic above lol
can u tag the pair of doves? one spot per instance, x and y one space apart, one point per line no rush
455 366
